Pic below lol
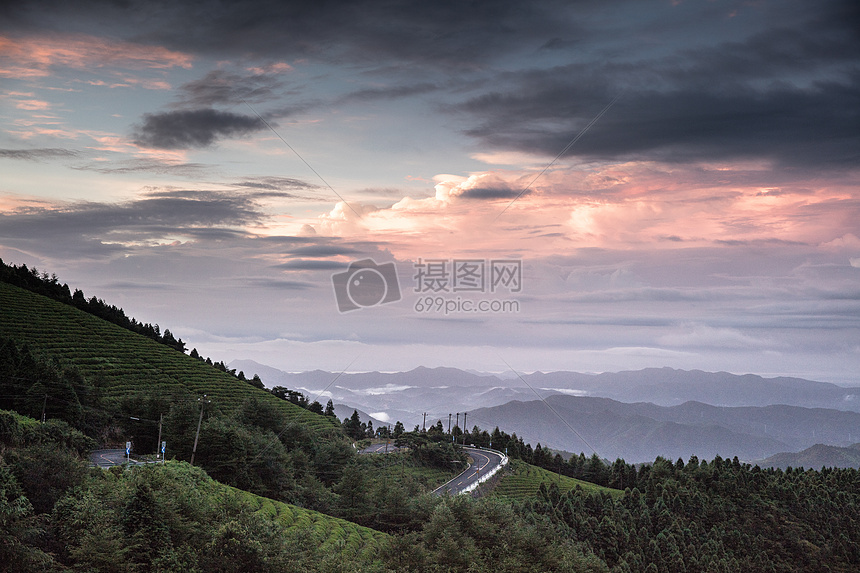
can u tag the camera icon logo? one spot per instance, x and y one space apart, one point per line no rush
364 284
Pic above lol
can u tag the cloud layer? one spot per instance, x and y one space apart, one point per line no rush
709 218
193 128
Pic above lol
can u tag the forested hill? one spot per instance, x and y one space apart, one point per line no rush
125 366
50 286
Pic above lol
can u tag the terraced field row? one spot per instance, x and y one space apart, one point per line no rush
525 482
329 533
124 361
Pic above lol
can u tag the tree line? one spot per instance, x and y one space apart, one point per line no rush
49 285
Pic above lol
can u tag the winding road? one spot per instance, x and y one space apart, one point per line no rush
108 458
486 463
380 449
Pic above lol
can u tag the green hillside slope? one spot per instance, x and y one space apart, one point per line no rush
329 534
525 480
125 361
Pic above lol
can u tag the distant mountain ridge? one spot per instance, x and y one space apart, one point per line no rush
640 431
635 415
669 387
440 391
816 457
403 396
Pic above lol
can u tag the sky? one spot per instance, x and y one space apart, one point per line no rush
613 185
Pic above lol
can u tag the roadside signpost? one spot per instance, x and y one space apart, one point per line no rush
128 451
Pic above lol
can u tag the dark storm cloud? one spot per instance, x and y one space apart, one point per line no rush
129 285
790 94
279 284
273 183
317 251
100 229
36 154
373 94
286 241
819 125
193 128
140 165
247 198
304 265
492 193
223 87
716 80
448 33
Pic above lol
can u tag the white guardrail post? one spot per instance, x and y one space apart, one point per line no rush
489 474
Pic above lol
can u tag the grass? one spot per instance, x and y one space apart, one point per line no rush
523 480
124 361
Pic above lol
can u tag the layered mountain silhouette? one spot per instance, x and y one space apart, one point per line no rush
641 431
636 415
816 457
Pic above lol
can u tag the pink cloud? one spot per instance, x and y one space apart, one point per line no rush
47 131
276 68
34 56
619 206
148 84
32 105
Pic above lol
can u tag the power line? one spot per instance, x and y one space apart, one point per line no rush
548 406
291 148
560 153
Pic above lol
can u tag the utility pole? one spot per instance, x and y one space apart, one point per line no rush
424 427
457 423
44 405
464 428
158 443
199 422
449 423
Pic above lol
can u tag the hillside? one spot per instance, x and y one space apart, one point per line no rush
816 457
181 512
126 362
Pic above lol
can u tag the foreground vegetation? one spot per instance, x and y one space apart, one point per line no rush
56 515
277 486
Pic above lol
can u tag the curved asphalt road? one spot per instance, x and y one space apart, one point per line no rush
108 458
484 462
379 449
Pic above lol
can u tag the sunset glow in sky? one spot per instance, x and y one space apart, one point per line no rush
209 166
